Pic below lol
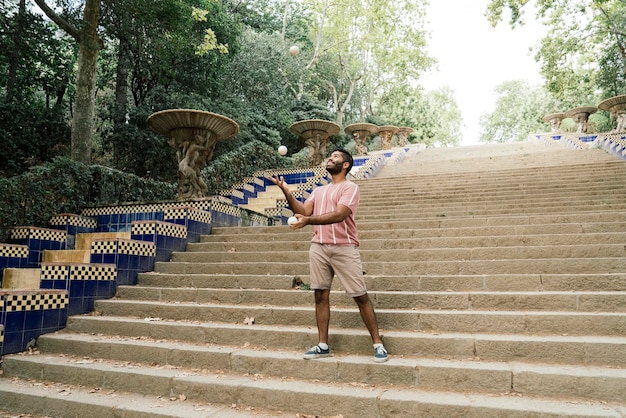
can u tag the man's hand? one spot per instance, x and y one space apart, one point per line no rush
280 182
302 221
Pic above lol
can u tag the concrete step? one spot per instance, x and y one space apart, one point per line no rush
433 317
406 282
36 399
525 379
269 252
570 301
609 351
596 265
83 240
287 394
433 241
66 256
21 278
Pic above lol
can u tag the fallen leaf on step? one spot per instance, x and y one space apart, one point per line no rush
249 320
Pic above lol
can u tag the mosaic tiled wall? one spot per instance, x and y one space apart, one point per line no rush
27 314
84 283
130 257
167 237
37 240
73 225
197 222
12 256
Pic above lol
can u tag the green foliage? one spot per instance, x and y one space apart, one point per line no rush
66 186
519 110
231 167
31 134
434 116
583 56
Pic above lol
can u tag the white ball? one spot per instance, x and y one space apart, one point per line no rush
282 150
292 220
294 50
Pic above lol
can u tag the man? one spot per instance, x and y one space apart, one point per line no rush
334 248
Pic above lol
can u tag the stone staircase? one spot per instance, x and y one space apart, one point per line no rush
498 275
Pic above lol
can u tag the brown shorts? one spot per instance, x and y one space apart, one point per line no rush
344 261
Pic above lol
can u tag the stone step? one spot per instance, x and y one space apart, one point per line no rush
21 278
83 240
492 283
303 395
437 316
609 351
580 301
269 252
404 230
34 399
66 256
596 265
525 379
433 241
533 224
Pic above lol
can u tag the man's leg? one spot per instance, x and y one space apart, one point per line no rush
369 316
322 313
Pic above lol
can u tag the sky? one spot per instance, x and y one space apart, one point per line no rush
473 58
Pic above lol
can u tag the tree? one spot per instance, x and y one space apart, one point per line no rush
89 45
434 116
519 109
586 38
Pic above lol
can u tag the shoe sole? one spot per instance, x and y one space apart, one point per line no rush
314 356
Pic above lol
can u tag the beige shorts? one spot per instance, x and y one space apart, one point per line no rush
344 261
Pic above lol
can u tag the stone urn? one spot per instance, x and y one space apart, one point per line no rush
581 117
616 106
403 135
554 120
386 133
193 134
362 133
315 134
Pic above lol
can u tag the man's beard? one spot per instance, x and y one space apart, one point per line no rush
334 168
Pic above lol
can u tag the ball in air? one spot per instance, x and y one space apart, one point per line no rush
292 220
282 150
294 50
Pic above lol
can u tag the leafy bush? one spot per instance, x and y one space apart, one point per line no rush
232 167
66 186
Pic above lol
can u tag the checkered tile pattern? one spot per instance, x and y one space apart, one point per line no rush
113 210
191 213
171 230
92 272
14 302
104 246
13 250
74 220
137 248
54 271
199 216
43 234
143 228
227 209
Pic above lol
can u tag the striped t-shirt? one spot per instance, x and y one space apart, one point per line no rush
325 199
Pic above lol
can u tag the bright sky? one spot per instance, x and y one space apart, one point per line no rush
474 57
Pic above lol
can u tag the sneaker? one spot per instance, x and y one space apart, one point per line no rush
316 352
380 354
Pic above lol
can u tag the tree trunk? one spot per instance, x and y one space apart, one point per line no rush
121 91
89 45
83 121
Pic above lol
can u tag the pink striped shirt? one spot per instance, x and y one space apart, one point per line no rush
325 199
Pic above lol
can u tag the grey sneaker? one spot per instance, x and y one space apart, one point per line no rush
316 352
380 354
